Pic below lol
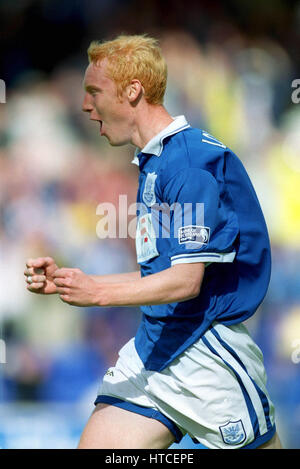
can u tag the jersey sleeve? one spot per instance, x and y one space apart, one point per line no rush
202 226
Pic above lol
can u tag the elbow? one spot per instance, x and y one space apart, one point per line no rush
188 280
193 290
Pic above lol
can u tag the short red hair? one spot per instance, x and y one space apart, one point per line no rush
133 57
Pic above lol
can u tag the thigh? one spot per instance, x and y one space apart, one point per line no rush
111 427
274 443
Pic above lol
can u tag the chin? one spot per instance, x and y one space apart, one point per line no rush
116 143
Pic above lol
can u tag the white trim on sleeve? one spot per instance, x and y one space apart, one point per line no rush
203 257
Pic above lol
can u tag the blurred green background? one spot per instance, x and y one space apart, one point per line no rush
231 67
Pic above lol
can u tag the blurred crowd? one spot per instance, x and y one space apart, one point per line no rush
55 170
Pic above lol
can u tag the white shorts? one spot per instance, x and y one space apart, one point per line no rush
215 391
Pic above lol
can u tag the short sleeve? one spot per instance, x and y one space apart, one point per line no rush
203 226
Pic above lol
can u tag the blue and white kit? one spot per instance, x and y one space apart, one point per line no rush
196 203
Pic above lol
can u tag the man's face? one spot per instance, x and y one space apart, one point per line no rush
114 113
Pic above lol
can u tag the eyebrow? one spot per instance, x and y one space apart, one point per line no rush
90 88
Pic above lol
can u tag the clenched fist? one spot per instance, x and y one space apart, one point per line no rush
39 275
76 288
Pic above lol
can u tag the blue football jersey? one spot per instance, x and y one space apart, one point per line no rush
196 203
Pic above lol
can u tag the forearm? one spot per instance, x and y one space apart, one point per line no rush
164 287
117 278
178 283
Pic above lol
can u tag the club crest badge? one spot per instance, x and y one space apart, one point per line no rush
233 433
149 190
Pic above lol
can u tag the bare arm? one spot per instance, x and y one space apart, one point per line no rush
117 278
178 283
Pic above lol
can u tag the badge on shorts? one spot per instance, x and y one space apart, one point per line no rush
233 433
149 191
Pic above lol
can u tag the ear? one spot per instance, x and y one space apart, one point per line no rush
134 90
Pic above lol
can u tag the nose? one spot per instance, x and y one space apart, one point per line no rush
87 105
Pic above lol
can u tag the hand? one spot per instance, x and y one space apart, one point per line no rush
41 271
76 288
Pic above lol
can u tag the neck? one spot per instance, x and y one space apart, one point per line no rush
150 120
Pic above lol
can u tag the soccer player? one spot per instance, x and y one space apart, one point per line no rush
204 256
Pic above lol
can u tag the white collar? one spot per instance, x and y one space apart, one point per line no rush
155 145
